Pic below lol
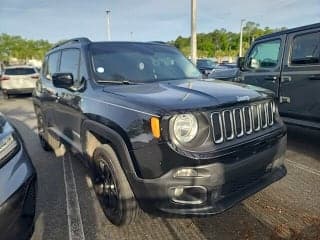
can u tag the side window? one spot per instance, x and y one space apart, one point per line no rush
51 66
70 60
306 49
264 55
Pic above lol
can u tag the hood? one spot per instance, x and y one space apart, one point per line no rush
181 95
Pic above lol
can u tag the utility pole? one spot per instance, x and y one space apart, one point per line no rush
131 36
108 25
240 45
193 31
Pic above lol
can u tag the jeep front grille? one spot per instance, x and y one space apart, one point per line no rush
237 122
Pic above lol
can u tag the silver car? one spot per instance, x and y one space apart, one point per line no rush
18 80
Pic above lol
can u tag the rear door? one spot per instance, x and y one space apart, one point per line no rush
263 64
300 86
48 91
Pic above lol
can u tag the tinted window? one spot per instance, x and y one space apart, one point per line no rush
140 62
70 59
19 71
52 64
205 63
264 55
306 49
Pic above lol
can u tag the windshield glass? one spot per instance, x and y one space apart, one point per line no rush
205 63
138 62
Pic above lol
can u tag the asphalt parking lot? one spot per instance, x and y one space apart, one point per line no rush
67 207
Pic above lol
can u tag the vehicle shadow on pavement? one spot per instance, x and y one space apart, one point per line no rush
304 141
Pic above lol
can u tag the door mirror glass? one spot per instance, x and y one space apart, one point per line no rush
62 80
264 55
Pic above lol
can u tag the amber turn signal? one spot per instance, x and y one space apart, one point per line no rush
155 127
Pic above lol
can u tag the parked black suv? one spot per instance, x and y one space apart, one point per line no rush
288 63
153 133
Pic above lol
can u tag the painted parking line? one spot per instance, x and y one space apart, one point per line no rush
304 167
73 209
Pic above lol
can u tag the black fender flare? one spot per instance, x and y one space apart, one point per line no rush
116 142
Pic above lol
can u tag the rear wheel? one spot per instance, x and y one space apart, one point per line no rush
42 133
112 188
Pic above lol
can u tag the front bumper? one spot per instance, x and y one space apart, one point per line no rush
219 185
18 185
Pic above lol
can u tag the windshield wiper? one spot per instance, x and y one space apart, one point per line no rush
120 82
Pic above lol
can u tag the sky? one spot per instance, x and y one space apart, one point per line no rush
148 20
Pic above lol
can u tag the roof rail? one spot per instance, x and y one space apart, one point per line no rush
73 40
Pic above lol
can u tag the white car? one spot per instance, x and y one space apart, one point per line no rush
18 80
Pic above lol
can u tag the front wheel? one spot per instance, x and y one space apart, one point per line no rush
112 188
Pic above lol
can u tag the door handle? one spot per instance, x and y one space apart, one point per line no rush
270 78
314 77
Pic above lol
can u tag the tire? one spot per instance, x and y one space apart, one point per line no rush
112 188
42 133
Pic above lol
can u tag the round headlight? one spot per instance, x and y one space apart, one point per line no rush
185 127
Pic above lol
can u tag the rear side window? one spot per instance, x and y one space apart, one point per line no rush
264 55
52 65
70 60
19 71
306 49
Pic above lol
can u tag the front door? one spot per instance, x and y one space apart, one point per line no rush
68 111
300 86
263 64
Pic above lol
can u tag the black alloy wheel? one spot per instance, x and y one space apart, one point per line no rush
112 188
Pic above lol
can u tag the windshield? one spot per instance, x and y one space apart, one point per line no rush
205 63
137 62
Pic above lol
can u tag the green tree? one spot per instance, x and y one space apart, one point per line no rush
220 42
22 49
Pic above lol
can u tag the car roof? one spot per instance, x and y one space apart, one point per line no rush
78 42
291 30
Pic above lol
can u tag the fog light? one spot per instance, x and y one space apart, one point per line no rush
188 194
178 191
186 172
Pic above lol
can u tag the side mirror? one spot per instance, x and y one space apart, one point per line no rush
62 80
240 63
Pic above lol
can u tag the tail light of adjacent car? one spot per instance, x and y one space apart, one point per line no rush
3 78
35 76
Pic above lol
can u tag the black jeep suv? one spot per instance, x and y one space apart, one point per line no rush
154 134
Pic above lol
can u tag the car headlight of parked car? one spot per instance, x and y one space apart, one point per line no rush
8 145
189 130
185 128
